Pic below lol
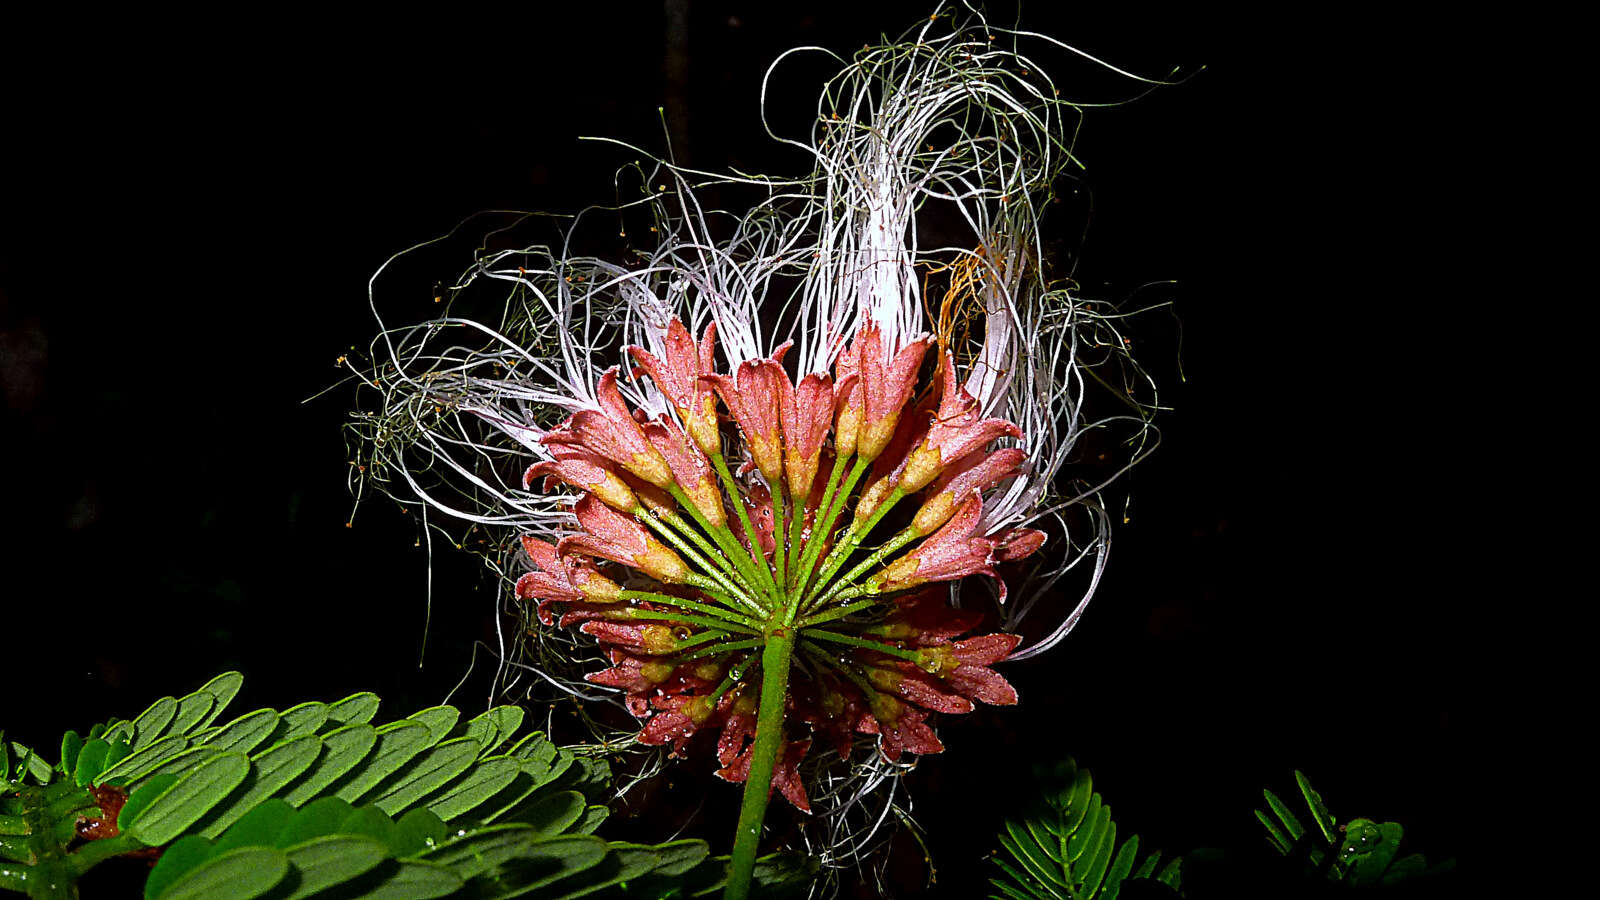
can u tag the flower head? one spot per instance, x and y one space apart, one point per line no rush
766 553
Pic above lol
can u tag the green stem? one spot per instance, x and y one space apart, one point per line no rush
796 527
732 553
718 650
824 527
839 612
887 649
726 615
759 563
730 562
775 662
683 547
852 540
715 591
895 543
650 615
779 545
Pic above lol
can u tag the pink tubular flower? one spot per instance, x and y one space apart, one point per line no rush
957 430
953 552
586 471
678 377
555 580
609 535
690 469
755 397
978 471
807 411
884 387
612 433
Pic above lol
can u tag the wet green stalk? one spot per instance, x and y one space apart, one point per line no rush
775 663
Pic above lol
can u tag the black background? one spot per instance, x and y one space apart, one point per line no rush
193 208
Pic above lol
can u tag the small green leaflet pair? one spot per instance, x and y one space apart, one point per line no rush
1065 846
316 800
1360 853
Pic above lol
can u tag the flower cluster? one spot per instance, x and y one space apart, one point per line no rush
683 567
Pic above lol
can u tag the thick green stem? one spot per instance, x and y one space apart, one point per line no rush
775 662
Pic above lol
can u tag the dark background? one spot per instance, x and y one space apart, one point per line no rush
190 218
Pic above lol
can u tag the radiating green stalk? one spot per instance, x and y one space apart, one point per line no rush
726 615
707 586
797 525
775 663
823 527
779 545
732 552
694 535
694 556
849 579
729 647
763 572
852 540
839 612
887 649
701 638
649 615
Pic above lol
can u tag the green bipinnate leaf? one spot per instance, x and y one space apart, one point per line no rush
91 760
222 689
270 770
439 719
192 710
342 750
556 813
427 773
185 802
324 862
488 778
141 798
315 819
142 763
177 860
1066 845
245 733
71 744
418 831
152 723
236 875
371 822
307 718
1361 853
403 880
397 743
356 709
258 827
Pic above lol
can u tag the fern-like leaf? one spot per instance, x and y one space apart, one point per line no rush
1360 853
1065 847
